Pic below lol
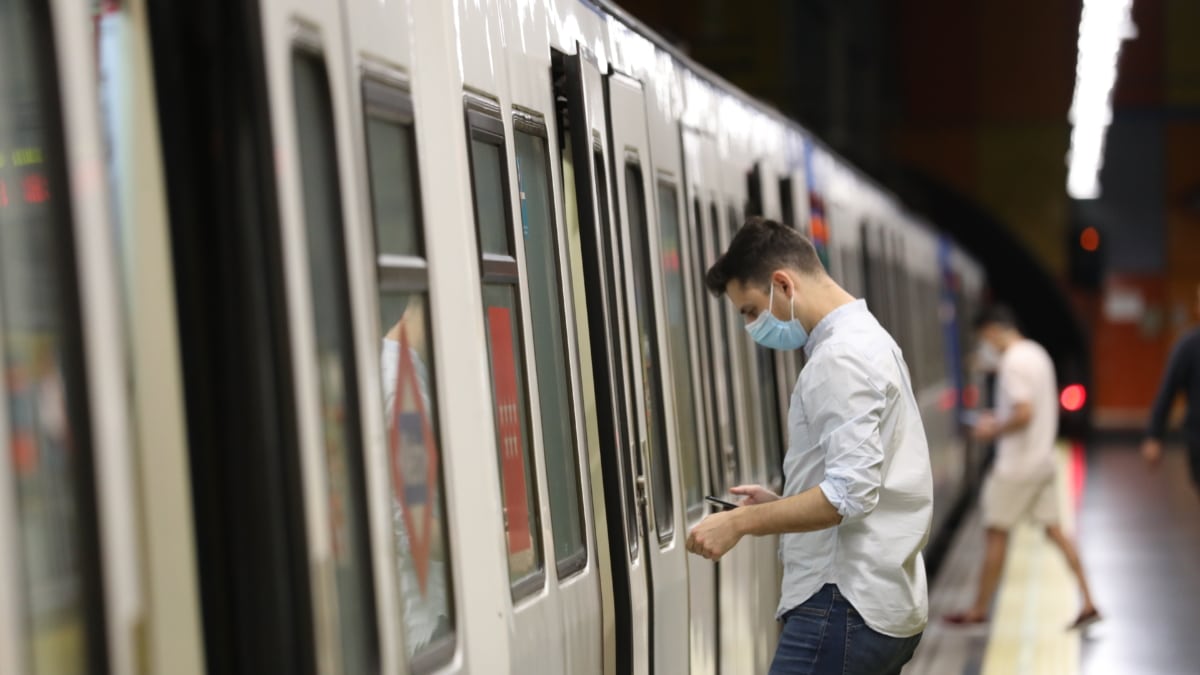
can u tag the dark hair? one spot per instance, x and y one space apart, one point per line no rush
996 315
759 248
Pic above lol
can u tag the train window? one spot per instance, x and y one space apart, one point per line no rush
502 318
392 157
548 294
768 411
672 256
486 165
656 434
418 504
630 506
334 363
48 461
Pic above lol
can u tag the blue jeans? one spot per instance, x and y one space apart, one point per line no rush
826 636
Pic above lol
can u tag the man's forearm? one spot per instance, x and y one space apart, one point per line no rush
1018 420
806 512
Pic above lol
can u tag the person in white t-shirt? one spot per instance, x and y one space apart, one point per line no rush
1021 483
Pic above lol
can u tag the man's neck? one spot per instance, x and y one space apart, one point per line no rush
828 297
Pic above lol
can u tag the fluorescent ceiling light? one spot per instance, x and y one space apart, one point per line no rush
1103 25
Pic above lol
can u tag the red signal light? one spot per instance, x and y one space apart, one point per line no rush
1089 239
1073 397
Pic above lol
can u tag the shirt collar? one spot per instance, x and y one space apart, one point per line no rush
829 324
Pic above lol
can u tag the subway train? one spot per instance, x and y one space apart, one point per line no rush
357 336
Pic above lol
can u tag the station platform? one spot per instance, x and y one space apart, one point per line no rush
1138 532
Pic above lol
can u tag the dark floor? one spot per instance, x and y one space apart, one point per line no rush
1138 530
1139 536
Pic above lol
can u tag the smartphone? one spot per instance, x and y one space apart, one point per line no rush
725 506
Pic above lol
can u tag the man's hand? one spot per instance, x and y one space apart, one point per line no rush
713 537
753 494
986 428
1152 451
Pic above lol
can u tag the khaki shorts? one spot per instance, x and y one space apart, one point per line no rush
1008 501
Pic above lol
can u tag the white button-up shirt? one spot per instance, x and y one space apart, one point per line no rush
855 430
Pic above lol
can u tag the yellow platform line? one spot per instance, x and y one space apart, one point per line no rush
1037 599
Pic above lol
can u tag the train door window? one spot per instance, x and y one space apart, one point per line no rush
647 347
741 347
48 461
502 318
785 202
630 507
708 350
733 466
868 270
672 256
753 205
334 363
548 295
419 525
768 411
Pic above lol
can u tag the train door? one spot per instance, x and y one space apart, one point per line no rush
621 459
71 596
664 535
262 204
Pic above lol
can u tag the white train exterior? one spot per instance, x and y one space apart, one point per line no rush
520 197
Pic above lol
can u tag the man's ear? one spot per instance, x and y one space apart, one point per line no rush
783 280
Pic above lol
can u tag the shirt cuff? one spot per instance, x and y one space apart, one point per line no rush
836 497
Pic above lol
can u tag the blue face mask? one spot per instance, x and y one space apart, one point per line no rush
772 333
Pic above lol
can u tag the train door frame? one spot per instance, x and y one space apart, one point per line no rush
588 125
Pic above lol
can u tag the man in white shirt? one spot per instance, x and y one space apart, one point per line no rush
858 492
1020 484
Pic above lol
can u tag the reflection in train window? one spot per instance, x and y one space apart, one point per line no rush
671 259
508 388
647 347
48 455
334 363
502 321
547 296
418 504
